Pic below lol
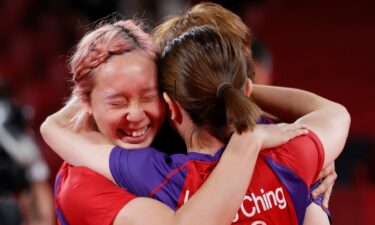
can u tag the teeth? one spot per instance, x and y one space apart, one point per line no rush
139 132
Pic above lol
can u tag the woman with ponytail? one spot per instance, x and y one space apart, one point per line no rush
231 26
205 84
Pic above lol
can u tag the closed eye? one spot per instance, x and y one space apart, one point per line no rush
150 98
118 104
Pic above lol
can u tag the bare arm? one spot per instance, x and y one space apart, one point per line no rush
217 200
315 215
205 207
329 120
79 148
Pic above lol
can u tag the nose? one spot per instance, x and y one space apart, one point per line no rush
135 112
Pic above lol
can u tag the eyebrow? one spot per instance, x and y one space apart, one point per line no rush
112 96
150 89
143 91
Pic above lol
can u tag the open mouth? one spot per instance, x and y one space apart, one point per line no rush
134 136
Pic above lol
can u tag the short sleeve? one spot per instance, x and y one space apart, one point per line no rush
148 172
138 171
304 155
86 197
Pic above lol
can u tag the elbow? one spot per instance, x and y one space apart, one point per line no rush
44 128
341 122
344 115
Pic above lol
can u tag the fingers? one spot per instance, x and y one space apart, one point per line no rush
291 126
326 184
326 197
327 170
293 130
298 130
278 134
325 188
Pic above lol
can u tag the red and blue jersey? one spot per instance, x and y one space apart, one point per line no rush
278 193
84 197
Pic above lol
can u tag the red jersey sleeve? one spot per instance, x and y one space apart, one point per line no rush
304 155
85 197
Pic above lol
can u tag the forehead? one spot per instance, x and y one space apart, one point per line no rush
130 73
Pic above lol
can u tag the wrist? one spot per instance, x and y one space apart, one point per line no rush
248 141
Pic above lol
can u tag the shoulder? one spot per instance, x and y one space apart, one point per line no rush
310 141
303 155
145 157
84 195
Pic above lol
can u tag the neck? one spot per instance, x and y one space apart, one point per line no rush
199 140
196 140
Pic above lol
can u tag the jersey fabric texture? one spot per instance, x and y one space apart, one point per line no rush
278 193
84 197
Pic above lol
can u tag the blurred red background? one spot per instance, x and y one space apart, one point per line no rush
326 47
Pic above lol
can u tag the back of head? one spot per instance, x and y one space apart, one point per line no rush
206 73
206 13
98 45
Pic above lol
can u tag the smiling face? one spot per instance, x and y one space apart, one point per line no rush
125 101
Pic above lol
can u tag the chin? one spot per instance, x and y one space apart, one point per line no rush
126 145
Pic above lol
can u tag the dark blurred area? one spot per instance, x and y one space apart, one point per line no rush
326 47
25 191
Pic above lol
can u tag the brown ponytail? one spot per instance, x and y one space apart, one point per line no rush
237 106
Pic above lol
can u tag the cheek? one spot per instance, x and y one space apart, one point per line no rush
106 120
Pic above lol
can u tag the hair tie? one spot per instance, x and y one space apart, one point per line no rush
222 87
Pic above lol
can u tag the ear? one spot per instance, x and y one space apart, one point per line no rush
87 108
174 108
248 87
